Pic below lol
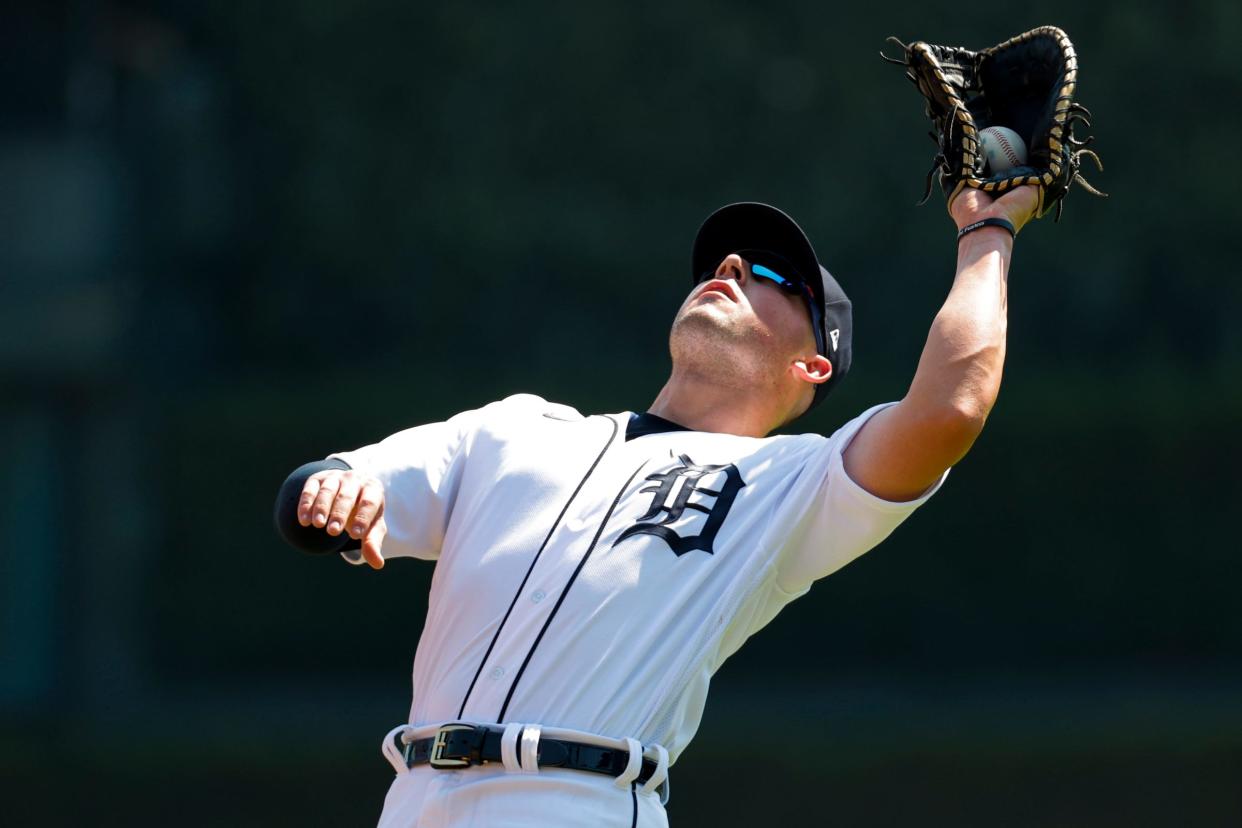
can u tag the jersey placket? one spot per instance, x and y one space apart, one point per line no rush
568 548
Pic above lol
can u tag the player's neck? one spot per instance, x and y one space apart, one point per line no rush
700 405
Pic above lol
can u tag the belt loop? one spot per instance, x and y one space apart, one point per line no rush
661 774
395 755
530 749
508 747
633 765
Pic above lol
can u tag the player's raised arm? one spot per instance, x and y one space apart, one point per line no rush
905 448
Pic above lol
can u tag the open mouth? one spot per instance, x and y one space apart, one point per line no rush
720 286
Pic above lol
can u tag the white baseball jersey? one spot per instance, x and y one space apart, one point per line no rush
585 580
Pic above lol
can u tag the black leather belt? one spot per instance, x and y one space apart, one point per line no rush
461 746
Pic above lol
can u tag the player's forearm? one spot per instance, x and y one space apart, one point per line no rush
959 373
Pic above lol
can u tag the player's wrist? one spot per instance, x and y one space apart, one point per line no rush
989 226
988 241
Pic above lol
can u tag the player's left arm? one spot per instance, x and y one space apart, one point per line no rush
905 448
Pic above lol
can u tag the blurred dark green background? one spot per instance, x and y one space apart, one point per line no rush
237 236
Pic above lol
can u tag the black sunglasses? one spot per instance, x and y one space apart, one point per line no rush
766 266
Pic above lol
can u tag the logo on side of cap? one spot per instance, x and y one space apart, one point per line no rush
835 335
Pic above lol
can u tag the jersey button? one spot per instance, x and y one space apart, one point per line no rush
538 595
497 672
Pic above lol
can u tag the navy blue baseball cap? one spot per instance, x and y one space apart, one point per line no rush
750 225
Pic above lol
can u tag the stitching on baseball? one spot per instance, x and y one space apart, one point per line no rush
1006 148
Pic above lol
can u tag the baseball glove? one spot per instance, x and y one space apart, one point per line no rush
1026 84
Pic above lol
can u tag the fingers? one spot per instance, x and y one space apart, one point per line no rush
343 505
370 502
307 499
336 501
373 542
329 484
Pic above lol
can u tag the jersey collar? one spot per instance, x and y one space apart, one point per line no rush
641 425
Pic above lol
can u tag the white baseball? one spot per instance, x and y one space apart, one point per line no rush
1003 148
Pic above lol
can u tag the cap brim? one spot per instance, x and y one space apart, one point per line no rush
754 225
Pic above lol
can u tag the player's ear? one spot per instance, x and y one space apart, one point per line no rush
815 370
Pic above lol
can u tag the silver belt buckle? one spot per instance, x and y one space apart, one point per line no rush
437 758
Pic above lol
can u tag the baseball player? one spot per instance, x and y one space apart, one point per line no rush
593 571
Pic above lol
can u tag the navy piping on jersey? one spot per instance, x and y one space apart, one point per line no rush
634 796
564 592
640 425
522 586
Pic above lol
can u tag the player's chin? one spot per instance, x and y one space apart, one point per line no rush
713 305
720 339
702 320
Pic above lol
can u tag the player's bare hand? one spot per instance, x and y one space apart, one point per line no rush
1017 206
340 500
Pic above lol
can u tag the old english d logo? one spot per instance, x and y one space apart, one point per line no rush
685 486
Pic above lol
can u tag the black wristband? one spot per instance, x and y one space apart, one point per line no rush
988 222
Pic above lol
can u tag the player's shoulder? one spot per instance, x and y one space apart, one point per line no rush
522 406
838 437
804 439
726 446
804 445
